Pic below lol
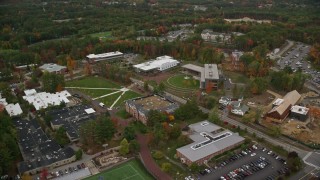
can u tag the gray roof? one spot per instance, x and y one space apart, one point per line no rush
193 67
211 71
212 143
52 67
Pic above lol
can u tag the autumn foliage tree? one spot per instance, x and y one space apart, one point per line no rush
315 53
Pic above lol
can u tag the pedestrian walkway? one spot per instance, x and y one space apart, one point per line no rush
148 161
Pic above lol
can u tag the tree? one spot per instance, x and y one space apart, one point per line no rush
315 53
294 162
155 117
134 146
79 154
187 111
124 147
104 129
129 133
275 131
61 137
71 63
157 155
52 82
194 167
214 116
174 131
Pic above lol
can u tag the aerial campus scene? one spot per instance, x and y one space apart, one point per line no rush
159 89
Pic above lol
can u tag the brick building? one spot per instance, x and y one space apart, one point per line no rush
139 107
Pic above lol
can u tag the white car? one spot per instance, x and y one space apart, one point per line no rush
269 152
253 154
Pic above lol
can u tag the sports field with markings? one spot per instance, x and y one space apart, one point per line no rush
132 170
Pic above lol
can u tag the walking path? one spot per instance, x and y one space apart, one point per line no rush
148 161
123 90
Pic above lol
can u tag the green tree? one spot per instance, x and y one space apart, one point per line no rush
78 154
174 131
52 82
155 117
186 111
61 137
104 129
294 162
194 167
129 133
134 146
214 116
157 155
124 147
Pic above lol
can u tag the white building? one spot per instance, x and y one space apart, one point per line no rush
13 109
160 63
104 56
43 99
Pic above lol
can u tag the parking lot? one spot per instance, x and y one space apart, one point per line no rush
296 58
253 164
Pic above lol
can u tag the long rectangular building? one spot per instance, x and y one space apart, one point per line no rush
209 140
159 64
105 56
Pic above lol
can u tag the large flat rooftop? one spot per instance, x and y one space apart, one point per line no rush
153 102
208 140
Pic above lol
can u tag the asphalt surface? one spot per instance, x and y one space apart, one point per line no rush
269 170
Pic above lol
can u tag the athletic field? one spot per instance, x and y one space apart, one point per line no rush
132 170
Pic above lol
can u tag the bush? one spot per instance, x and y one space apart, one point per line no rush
157 155
166 167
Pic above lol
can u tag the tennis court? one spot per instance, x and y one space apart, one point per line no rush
132 170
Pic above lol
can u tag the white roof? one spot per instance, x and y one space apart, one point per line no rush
299 109
104 55
277 102
29 92
52 67
3 101
154 64
43 99
14 109
90 111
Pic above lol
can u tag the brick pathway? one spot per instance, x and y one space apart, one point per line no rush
148 161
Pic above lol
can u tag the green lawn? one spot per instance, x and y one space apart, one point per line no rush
122 113
106 34
97 82
237 77
181 81
92 82
108 100
132 170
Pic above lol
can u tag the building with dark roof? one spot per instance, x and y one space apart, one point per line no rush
71 118
209 140
39 151
139 107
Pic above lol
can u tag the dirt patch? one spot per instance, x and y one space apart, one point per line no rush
300 130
